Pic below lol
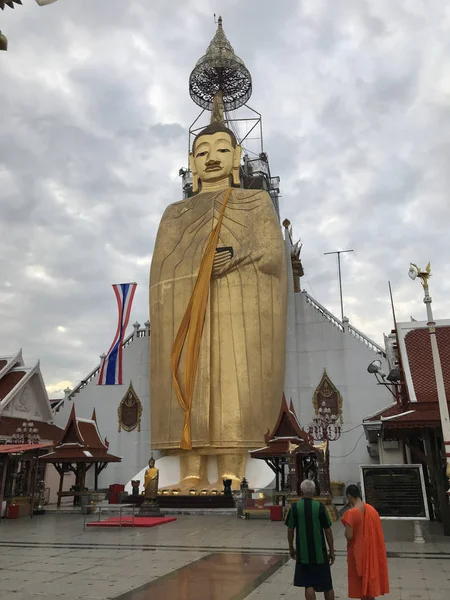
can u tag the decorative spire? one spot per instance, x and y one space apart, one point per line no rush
220 69
217 109
220 48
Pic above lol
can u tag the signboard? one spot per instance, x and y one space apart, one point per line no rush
396 491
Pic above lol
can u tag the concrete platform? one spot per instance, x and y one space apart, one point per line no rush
52 557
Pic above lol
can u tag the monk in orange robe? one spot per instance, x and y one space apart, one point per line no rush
366 551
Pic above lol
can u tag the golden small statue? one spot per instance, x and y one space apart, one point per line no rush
151 479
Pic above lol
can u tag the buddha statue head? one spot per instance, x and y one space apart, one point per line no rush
215 158
151 462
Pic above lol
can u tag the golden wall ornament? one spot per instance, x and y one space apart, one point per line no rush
328 396
130 411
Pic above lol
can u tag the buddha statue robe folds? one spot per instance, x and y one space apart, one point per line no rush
241 361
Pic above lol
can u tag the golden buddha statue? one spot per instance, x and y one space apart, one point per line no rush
218 293
151 479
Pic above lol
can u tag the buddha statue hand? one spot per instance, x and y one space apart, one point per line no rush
222 260
226 259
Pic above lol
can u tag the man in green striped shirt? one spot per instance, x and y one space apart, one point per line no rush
309 522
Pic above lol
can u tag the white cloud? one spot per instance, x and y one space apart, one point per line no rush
94 113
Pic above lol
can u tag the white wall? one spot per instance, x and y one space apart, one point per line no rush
52 482
133 446
314 344
391 453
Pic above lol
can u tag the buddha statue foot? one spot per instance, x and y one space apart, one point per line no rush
212 489
192 472
231 467
191 483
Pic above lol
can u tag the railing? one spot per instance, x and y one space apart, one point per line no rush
323 311
347 327
138 333
365 340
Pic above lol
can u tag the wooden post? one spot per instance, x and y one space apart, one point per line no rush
61 480
277 475
29 475
82 477
2 484
96 465
77 483
34 480
283 482
443 502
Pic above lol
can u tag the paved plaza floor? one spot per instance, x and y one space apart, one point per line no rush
196 557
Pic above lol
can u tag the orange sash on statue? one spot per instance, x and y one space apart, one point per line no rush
191 327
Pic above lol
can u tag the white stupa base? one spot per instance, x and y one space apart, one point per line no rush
258 474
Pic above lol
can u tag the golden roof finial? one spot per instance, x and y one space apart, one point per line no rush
423 275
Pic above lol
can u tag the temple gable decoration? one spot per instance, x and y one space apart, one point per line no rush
288 450
130 411
328 396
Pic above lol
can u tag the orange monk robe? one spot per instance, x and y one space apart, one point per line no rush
366 554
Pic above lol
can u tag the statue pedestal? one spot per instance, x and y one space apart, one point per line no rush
150 509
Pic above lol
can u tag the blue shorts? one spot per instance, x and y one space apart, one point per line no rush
313 576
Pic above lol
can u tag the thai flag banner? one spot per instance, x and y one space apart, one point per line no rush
111 367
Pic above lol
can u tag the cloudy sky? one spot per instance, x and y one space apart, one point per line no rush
94 118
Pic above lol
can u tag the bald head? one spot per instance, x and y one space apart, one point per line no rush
211 130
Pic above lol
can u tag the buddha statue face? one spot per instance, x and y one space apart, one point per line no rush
151 463
215 157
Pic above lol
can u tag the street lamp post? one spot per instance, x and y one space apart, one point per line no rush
424 276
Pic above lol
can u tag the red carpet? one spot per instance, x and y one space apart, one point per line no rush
128 522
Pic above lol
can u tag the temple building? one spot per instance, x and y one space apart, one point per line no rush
23 397
122 411
326 358
80 448
408 430
326 366
26 421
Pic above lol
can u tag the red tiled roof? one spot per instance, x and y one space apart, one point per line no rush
8 426
282 448
385 412
15 448
286 425
90 435
9 382
286 431
420 358
416 415
80 442
3 363
419 414
71 454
